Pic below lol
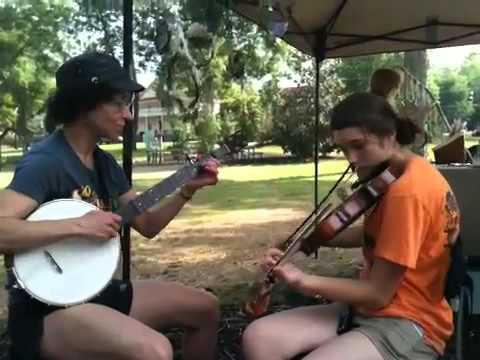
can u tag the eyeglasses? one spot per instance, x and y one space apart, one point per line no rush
123 100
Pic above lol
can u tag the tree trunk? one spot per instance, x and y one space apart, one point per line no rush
24 114
2 136
416 63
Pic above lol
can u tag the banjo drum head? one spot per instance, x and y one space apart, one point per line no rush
87 264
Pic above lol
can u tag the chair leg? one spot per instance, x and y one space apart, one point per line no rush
461 322
459 318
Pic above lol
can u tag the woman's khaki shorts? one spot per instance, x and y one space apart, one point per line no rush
395 338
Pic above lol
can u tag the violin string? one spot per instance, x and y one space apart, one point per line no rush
314 216
320 204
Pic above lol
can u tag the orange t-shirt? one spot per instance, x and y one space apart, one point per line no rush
413 225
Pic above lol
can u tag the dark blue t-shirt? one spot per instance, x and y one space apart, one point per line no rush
52 170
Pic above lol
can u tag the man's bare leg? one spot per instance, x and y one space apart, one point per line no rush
93 331
96 332
160 304
289 333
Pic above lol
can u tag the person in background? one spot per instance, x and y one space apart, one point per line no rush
148 140
387 82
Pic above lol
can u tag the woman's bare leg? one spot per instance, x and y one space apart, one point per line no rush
352 345
288 333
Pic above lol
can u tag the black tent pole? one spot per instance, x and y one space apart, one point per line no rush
317 125
128 130
320 51
317 131
320 55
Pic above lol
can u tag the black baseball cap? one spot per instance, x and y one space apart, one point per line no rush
92 69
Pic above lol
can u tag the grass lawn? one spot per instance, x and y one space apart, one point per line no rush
256 186
216 239
10 155
5 178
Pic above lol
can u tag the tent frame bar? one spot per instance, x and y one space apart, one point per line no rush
390 36
325 32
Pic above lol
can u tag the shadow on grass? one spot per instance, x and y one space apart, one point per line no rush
225 258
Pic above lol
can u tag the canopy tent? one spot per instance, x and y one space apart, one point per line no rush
347 28
339 28
343 28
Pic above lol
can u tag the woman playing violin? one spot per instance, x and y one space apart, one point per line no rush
397 304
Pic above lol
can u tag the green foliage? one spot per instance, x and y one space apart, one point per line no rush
471 71
240 114
207 131
31 47
454 94
181 134
7 110
100 5
97 25
212 56
209 12
355 72
294 117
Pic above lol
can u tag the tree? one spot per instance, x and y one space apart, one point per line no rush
31 47
207 130
181 134
206 55
416 62
294 116
355 72
454 94
97 25
471 71
239 117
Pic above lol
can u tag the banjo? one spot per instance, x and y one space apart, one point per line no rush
74 270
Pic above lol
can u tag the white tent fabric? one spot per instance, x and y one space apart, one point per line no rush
344 28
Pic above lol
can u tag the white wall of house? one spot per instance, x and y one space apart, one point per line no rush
151 112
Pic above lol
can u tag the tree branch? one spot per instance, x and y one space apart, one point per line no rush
5 132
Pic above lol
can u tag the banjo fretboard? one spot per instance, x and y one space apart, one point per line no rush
153 195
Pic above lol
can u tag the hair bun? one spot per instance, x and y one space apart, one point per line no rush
407 130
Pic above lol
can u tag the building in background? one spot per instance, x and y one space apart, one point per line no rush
151 112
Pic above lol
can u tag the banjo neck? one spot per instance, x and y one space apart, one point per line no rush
153 195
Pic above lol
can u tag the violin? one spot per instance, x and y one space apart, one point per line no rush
320 227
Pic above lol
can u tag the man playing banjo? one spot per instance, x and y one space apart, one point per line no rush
92 101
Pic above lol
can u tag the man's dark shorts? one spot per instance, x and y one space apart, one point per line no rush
25 316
